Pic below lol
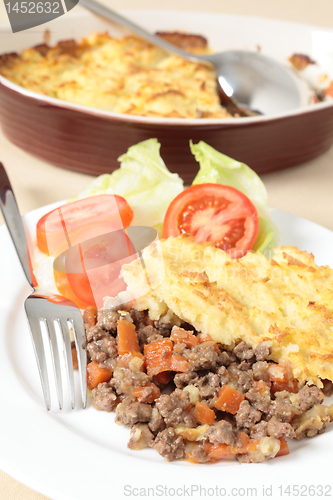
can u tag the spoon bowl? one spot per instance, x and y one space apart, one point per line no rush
249 82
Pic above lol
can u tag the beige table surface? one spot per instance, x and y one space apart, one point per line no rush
306 190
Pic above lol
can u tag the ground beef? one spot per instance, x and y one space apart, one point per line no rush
276 429
242 379
259 430
199 455
262 352
102 349
156 423
124 380
226 358
307 397
95 333
281 410
243 351
181 380
141 437
313 421
169 445
202 357
260 371
159 422
221 432
107 319
246 415
259 397
103 397
173 408
208 385
130 414
148 334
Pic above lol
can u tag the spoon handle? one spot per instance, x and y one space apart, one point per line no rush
14 223
111 15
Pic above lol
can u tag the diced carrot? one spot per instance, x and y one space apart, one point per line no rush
204 337
190 458
158 356
203 413
74 359
179 363
164 377
127 337
228 399
139 392
281 378
90 316
179 335
96 374
125 359
223 451
284 448
259 386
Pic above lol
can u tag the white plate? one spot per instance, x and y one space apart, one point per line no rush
82 455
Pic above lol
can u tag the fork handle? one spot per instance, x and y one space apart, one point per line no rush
14 223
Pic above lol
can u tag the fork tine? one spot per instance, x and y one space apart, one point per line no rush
55 358
68 358
80 339
37 341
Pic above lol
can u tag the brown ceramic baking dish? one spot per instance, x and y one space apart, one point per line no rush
90 140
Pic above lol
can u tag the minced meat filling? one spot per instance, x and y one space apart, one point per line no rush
186 396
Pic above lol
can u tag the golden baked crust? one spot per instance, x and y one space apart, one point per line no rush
286 302
126 75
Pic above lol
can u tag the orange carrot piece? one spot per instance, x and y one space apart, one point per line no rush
127 337
158 356
223 451
125 359
90 316
179 363
96 374
190 458
179 335
164 377
139 392
259 386
204 337
228 399
281 378
284 448
203 413
74 359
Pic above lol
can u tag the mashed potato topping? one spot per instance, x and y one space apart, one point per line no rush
127 75
285 302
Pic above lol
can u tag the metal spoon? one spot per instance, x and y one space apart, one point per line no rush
248 80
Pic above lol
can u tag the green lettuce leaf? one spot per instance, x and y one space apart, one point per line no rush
218 168
143 180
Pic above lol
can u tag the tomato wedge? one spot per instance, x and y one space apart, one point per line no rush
80 215
94 226
216 213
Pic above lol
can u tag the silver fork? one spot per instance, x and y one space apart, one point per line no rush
56 313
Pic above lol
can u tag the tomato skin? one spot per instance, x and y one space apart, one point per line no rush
81 222
216 213
81 214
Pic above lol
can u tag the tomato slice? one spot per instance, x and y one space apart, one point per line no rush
216 213
93 267
78 216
